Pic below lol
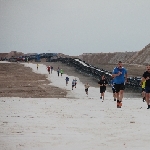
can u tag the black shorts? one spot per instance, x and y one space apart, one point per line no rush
147 89
119 87
102 89
143 89
86 90
114 90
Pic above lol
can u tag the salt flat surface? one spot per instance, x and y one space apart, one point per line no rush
78 122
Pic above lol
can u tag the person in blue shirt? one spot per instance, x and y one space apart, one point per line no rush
67 79
120 78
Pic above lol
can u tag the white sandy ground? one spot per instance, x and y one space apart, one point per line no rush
80 123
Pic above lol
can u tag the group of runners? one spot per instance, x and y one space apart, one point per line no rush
50 69
119 79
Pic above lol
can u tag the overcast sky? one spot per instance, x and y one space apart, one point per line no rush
74 26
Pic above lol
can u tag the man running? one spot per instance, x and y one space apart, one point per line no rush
75 80
102 83
61 72
120 77
37 66
51 69
113 89
143 89
73 84
58 71
146 77
86 88
67 79
48 69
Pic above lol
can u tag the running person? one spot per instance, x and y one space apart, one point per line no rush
73 84
48 69
75 80
58 71
37 66
146 77
143 90
113 89
61 72
120 77
86 88
67 79
102 83
51 69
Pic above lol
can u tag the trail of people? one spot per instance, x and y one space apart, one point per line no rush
79 121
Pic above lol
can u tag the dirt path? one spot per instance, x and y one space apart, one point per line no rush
19 81
84 78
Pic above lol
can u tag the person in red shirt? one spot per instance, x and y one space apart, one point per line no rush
48 69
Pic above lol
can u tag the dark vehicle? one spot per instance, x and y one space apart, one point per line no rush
12 59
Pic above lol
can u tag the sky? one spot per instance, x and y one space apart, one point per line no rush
74 27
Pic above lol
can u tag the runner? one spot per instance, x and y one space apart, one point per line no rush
73 83
58 70
113 89
120 77
67 79
37 66
51 69
61 72
48 69
143 90
86 88
146 77
75 80
102 83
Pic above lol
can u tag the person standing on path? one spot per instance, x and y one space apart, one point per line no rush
146 77
102 83
120 78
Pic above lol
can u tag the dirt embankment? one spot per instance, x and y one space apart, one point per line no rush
19 81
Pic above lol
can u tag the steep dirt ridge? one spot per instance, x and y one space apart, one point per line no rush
141 57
